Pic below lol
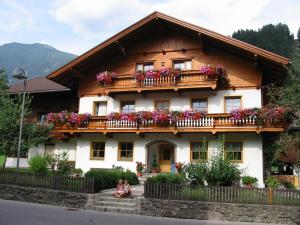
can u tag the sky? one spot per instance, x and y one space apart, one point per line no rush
75 26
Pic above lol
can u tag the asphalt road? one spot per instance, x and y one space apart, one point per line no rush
20 213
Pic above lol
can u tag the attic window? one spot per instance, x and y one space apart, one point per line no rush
182 64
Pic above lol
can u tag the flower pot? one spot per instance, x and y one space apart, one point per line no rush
139 174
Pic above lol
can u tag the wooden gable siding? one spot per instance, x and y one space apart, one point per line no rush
242 73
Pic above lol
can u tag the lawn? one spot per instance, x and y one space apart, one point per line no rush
2 160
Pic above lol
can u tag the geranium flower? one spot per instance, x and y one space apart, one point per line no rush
106 78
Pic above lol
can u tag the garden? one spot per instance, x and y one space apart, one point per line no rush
219 180
56 172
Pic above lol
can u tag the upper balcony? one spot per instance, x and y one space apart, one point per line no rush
211 123
189 79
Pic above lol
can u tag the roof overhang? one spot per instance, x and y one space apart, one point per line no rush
279 63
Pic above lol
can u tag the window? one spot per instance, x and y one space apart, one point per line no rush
100 108
49 149
125 151
199 104
182 64
128 106
232 103
199 151
233 151
97 150
162 105
41 118
144 66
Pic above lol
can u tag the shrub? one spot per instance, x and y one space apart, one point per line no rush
196 172
288 185
221 171
38 165
273 182
167 178
108 178
77 172
248 180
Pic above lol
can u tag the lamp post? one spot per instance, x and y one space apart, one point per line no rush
21 74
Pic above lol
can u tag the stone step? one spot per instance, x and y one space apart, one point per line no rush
136 193
116 204
112 199
115 209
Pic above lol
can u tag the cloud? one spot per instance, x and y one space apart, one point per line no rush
94 18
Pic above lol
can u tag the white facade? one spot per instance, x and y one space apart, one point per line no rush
252 162
250 98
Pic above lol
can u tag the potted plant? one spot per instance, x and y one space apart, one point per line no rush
106 78
139 168
154 164
249 181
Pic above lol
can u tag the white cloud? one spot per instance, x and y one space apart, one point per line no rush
94 18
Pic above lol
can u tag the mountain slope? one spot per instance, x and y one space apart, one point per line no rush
37 59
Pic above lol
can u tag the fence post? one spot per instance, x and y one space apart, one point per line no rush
270 196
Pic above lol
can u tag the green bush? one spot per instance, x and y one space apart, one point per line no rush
248 180
221 171
273 182
38 165
167 178
288 185
196 172
108 178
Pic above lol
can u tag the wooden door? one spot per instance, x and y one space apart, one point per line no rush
166 156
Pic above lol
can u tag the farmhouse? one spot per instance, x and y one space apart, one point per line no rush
164 91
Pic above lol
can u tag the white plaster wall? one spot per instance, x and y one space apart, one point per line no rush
11 162
69 147
252 150
250 98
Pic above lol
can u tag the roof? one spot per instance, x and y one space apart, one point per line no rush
38 85
157 15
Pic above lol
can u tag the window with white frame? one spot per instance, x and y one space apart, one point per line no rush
182 64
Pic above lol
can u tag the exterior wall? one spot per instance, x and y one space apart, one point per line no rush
250 98
60 147
252 163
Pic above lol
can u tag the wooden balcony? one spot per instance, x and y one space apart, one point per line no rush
212 123
188 80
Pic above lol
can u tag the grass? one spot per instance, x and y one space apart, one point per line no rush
2 160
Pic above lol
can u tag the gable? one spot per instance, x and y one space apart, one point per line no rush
119 43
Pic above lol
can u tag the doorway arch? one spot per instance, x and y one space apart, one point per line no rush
161 153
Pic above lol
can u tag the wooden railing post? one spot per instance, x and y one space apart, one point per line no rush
270 196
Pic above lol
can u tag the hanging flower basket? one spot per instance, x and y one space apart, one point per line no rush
215 72
106 78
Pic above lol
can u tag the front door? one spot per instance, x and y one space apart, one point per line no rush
166 157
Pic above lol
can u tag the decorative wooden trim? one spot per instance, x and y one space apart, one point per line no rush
191 155
242 151
91 151
119 151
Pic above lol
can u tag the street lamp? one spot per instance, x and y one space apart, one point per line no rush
20 74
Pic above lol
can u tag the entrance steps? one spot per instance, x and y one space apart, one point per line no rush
105 202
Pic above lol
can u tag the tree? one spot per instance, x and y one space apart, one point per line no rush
10 109
298 35
275 38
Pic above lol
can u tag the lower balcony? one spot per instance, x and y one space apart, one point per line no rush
211 123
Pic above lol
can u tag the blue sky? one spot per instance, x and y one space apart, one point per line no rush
78 25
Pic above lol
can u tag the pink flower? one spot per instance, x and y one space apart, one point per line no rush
106 78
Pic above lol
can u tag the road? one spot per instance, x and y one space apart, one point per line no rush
21 213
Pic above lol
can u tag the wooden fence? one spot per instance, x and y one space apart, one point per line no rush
222 194
85 185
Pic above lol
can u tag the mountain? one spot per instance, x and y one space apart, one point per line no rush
37 59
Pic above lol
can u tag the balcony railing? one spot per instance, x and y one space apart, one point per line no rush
187 80
211 123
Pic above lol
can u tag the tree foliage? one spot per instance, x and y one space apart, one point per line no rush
10 110
298 35
275 38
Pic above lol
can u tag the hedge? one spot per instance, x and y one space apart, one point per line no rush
108 178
